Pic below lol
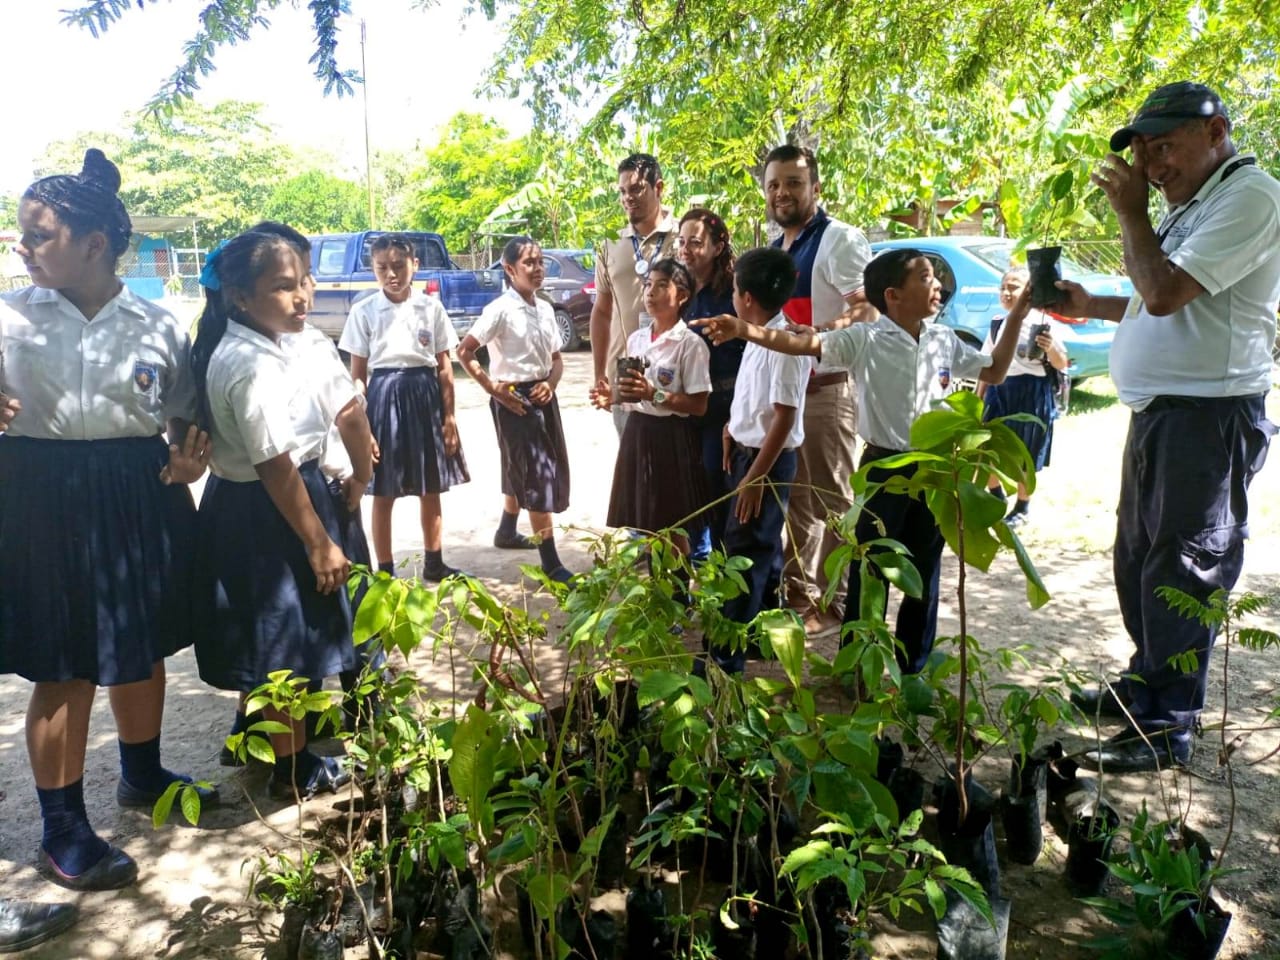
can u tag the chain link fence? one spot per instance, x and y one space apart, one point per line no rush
1099 256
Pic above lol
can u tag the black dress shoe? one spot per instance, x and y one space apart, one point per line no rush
433 573
1097 702
1127 752
116 869
24 924
127 795
517 541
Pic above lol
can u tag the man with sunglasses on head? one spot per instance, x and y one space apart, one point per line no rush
623 264
1192 360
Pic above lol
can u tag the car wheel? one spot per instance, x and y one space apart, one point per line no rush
568 336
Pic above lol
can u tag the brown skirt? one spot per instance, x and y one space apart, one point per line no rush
658 481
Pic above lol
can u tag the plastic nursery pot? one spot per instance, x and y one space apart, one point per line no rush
319 944
626 365
965 934
1187 942
737 941
1088 845
463 933
295 916
1043 264
650 934
590 937
906 786
612 861
889 757
835 931
972 845
1022 809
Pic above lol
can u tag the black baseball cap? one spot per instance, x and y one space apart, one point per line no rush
1168 107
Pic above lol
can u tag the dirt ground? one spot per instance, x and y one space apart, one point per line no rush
191 900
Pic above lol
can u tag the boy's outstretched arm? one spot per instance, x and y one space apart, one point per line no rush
1010 333
728 327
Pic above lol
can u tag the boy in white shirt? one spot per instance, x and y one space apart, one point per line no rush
903 365
765 428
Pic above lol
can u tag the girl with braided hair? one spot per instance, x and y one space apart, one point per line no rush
96 525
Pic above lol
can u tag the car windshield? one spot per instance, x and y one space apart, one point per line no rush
999 253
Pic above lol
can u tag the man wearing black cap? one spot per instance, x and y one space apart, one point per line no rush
1192 359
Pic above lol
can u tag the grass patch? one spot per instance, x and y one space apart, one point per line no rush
1092 395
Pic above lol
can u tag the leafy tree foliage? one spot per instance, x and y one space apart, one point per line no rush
318 202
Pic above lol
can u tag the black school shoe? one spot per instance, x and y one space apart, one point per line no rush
1098 702
1128 752
329 776
127 795
24 924
434 573
517 541
114 870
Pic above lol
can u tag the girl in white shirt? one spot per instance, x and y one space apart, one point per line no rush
658 478
399 341
524 370
271 580
96 523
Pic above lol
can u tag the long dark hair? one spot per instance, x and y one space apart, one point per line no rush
721 282
235 266
88 201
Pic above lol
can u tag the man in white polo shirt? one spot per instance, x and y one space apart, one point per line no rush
622 265
1192 359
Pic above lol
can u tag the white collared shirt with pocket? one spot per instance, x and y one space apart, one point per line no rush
124 373
1227 237
679 362
522 338
328 389
898 377
398 335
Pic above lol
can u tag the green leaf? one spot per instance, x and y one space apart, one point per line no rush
471 768
659 685
546 891
900 571
190 803
1037 594
786 637
160 812
260 749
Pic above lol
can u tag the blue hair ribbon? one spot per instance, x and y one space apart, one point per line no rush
209 274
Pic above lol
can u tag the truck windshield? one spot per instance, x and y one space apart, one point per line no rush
430 253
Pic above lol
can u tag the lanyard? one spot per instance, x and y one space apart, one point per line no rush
1231 168
643 266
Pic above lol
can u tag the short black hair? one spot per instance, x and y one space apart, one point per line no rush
768 274
890 268
515 246
645 165
790 153
393 241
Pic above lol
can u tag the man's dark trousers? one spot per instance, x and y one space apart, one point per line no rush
1181 522
758 540
910 522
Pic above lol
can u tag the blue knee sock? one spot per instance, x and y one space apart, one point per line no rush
388 567
68 839
140 766
297 768
548 555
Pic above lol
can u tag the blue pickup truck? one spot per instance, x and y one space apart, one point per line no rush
343 271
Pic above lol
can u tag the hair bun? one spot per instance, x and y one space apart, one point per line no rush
99 170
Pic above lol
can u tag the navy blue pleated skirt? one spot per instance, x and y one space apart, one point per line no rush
95 559
658 479
1026 393
532 451
257 607
407 419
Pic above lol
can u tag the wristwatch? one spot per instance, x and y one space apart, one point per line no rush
659 396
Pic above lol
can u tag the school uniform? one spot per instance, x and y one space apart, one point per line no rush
1027 388
658 479
523 340
95 552
900 378
260 608
725 359
406 412
765 378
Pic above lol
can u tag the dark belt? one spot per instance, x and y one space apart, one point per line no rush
872 451
820 380
1171 402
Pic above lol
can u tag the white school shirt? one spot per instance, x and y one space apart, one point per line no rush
1020 366
767 377
255 397
124 373
522 338
843 254
898 377
679 362
328 389
1227 237
398 335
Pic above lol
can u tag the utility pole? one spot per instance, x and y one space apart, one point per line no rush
368 153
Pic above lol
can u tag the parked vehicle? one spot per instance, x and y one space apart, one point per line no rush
343 270
970 268
570 287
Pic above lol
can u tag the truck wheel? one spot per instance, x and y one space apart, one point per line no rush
568 335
